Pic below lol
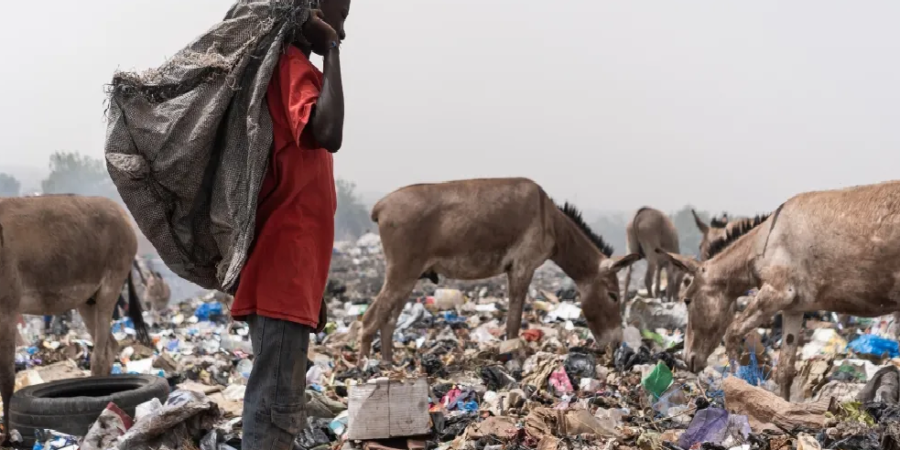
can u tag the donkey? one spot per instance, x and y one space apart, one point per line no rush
156 291
648 230
63 252
475 229
833 250
716 234
716 230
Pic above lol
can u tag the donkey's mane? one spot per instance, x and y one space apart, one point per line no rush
735 233
575 215
716 222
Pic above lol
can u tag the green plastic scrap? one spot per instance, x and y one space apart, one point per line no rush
657 381
853 412
655 337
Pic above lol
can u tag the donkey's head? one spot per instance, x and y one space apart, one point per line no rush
709 311
712 232
600 300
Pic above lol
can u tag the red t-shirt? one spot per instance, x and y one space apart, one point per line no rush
285 275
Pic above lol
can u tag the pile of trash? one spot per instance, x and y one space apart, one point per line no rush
458 383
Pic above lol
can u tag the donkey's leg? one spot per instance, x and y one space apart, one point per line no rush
767 302
844 319
397 286
102 358
648 278
793 335
8 333
624 296
659 292
387 332
670 281
97 317
519 280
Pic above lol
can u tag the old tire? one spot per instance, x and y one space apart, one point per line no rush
72 406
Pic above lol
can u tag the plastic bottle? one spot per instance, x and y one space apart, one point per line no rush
244 368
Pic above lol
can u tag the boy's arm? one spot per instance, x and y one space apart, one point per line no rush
328 113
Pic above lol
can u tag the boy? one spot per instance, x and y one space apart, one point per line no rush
282 282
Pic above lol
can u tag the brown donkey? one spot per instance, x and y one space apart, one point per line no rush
830 250
63 252
476 229
648 230
717 230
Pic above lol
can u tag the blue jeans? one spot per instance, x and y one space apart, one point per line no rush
275 402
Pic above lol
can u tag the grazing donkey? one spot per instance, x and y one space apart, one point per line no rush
716 230
156 291
648 230
63 252
475 229
830 250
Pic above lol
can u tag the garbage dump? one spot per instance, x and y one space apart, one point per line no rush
458 382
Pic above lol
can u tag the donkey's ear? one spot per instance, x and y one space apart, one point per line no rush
616 264
684 263
704 228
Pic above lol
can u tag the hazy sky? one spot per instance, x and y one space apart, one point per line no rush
614 104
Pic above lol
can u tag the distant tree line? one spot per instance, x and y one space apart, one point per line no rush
74 173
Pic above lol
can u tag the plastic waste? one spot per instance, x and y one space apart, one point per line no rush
412 313
672 398
565 311
884 387
432 365
580 365
112 423
708 426
532 335
869 344
752 373
824 342
208 311
495 378
482 335
339 424
560 382
314 375
317 432
54 440
446 299
658 380
146 408
632 337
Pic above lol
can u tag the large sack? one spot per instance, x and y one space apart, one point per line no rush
188 143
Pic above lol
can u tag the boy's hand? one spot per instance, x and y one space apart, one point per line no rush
318 33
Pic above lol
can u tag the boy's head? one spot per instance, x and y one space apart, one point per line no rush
336 12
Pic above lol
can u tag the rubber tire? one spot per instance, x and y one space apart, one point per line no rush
67 406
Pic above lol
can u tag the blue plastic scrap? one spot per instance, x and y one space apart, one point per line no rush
208 310
752 373
870 344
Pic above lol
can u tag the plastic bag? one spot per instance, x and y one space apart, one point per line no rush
708 426
580 365
869 344
658 381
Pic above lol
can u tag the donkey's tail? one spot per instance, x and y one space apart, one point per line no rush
136 312
375 210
